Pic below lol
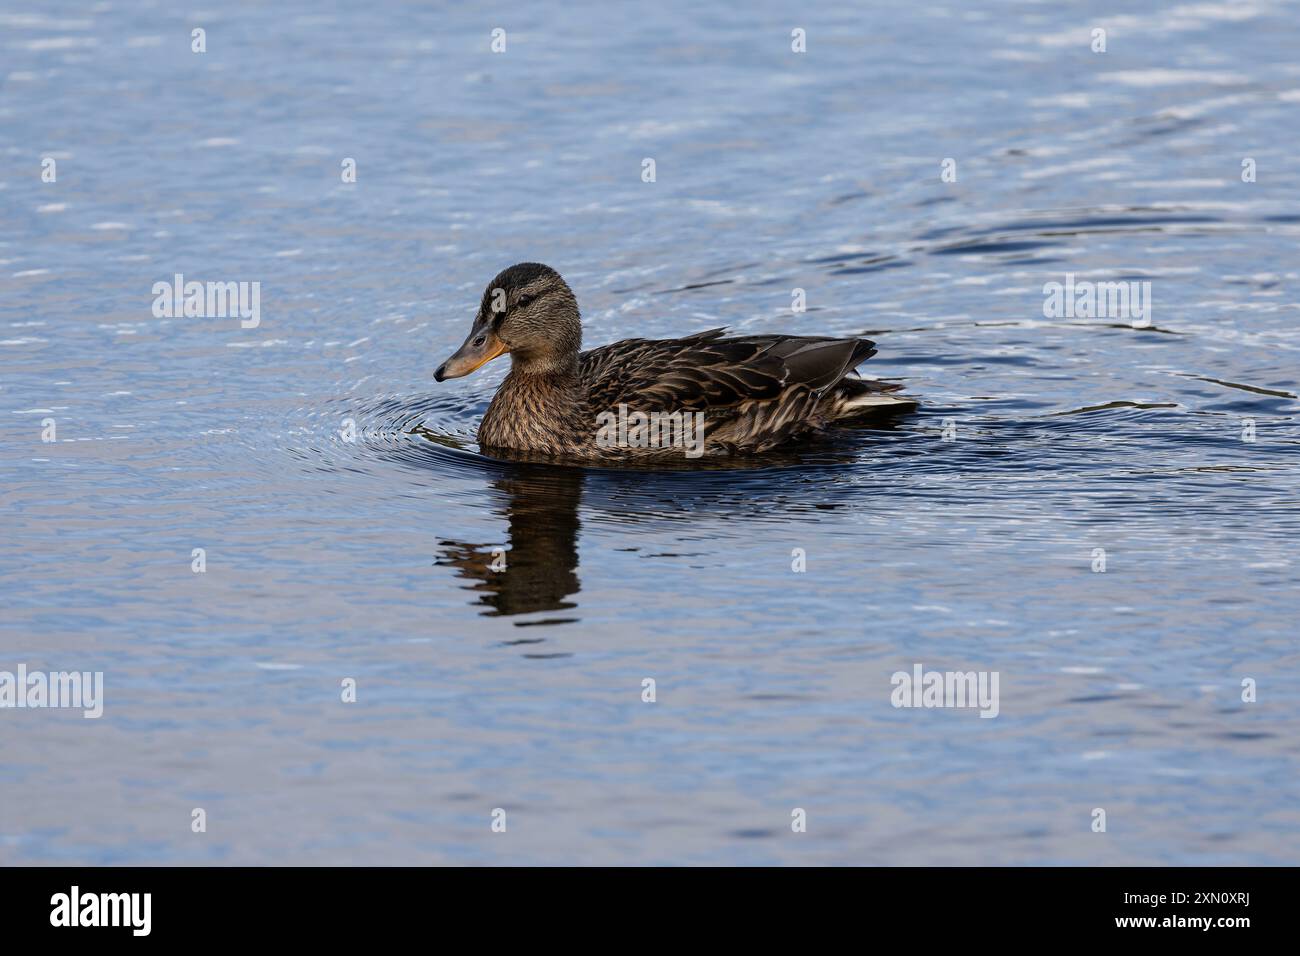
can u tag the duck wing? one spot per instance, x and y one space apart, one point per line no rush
713 370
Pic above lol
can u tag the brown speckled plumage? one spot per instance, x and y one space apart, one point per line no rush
756 392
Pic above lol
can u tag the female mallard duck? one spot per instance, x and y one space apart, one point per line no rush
652 397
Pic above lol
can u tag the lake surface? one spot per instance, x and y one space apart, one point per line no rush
348 522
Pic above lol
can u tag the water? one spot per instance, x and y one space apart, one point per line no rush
522 689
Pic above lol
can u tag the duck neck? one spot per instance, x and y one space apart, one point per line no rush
537 404
558 370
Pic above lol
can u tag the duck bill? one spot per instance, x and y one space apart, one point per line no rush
470 357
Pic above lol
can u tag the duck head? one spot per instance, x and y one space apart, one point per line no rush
529 312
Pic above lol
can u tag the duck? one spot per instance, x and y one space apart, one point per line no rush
708 393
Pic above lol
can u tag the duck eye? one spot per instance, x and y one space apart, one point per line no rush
525 301
480 340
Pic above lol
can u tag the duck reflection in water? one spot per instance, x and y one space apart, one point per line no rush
538 568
